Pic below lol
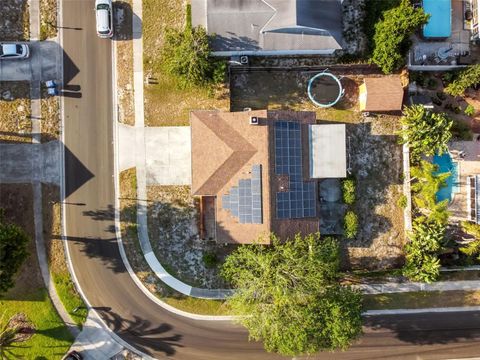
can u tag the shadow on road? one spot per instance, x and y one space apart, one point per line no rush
145 334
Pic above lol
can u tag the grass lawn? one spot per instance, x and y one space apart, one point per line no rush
165 103
137 261
51 339
421 299
58 267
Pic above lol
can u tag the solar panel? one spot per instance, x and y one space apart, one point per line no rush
299 201
245 200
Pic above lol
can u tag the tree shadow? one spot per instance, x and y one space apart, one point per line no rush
146 334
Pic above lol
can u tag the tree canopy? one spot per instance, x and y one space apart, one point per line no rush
391 39
288 295
466 78
421 260
13 252
426 132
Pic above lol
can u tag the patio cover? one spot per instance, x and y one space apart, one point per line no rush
328 154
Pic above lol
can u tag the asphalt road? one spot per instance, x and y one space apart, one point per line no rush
103 277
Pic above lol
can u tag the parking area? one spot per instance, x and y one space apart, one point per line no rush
45 54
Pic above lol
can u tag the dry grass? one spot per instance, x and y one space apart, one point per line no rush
52 232
50 116
14 20
419 300
124 49
15 122
48 19
165 103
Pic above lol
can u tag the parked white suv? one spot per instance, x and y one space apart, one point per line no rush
14 51
104 16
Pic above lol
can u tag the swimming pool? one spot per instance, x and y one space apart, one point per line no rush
446 164
440 23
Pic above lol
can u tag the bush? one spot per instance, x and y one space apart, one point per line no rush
432 84
436 100
466 78
210 259
441 95
392 35
447 77
469 110
350 225
348 191
461 131
402 201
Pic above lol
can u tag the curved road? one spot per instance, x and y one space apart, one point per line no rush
97 262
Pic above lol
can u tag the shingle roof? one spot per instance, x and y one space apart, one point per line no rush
270 25
383 94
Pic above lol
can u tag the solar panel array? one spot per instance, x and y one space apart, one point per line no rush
299 200
245 200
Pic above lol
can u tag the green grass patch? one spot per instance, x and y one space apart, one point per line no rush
198 306
70 298
421 299
51 339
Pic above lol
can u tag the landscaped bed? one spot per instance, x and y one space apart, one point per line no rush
167 104
50 116
128 217
51 339
48 19
173 231
15 122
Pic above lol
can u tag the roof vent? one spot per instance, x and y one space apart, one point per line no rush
244 60
253 120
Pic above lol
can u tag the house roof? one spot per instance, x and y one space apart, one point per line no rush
226 149
328 155
270 25
382 94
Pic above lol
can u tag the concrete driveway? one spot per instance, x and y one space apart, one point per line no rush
43 54
167 154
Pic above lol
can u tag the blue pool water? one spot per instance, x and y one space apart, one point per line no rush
440 23
446 164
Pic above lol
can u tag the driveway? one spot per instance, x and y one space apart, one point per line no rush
45 54
167 152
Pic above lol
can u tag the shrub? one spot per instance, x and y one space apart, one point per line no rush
461 131
436 100
392 33
469 110
348 191
466 78
441 95
210 259
350 225
447 77
402 201
432 84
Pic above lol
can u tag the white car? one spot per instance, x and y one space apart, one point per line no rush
104 15
14 51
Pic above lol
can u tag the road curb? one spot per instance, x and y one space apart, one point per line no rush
420 311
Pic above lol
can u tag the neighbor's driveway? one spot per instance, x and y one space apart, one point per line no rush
44 53
167 153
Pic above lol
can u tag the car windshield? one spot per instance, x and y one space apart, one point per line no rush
102 7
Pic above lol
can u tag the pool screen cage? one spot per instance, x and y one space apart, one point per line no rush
325 89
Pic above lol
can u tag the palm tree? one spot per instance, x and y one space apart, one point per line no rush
8 336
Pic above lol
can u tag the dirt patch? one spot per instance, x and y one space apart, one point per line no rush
15 121
17 202
124 49
172 226
14 20
48 19
52 230
50 116
376 162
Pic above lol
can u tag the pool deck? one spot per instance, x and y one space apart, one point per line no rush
468 165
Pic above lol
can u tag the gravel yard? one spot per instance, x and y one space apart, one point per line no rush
15 122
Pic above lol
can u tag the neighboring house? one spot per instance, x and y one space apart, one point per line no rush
383 94
270 27
257 172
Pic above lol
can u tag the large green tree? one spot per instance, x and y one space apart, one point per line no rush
288 295
426 132
468 77
421 260
13 252
391 39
